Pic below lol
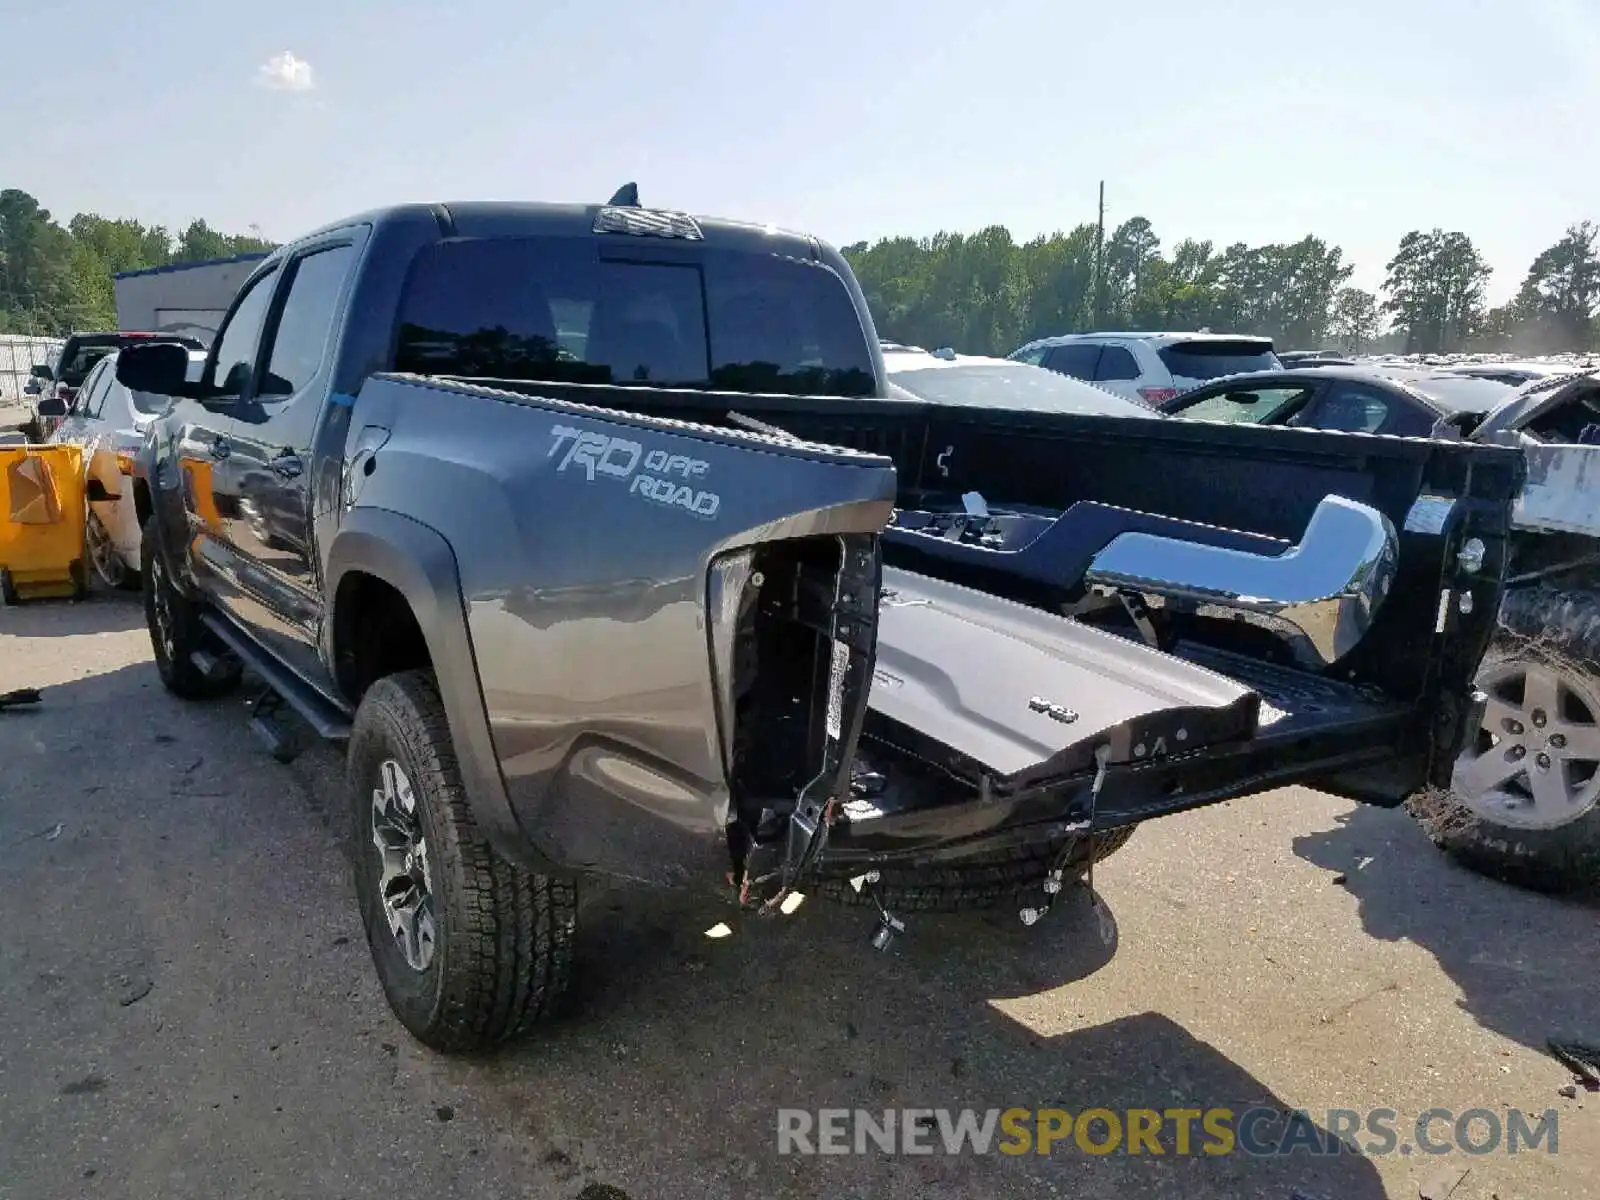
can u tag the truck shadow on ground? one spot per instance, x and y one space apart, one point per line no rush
99 612
1526 964
696 1042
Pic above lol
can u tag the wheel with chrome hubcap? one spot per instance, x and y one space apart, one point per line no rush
470 949
1524 800
104 557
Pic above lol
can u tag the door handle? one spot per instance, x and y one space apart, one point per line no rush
220 447
286 465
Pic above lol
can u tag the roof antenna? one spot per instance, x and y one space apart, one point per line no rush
627 196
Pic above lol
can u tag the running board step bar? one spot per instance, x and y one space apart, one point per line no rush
310 705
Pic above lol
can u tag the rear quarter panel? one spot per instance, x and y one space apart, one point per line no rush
585 591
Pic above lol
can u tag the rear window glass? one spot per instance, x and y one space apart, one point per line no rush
1014 385
1455 394
551 309
1212 360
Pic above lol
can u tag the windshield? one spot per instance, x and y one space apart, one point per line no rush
1246 405
78 361
552 309
1014 385
1214 359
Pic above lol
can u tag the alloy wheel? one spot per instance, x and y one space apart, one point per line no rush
405 879
103 556
1535 763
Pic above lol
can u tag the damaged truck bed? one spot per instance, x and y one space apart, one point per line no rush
1087 622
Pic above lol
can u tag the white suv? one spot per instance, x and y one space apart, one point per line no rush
1150 368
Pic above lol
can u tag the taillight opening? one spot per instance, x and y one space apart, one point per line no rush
793 628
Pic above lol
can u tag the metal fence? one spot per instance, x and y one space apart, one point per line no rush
18 356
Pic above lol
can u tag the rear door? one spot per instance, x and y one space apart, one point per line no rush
1118 371
203 442
270 439
1077 359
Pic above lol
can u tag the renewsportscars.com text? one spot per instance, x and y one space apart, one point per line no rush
1258 1132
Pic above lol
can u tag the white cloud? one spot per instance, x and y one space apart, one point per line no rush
285 73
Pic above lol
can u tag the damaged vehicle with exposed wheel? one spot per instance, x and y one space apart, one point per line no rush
597 535
1524 802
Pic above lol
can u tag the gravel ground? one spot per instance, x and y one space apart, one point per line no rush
187 1007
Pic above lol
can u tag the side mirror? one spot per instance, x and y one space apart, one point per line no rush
160 368
52 406
42 371
32 388
1242 397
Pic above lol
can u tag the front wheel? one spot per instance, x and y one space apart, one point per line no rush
104 557
470 949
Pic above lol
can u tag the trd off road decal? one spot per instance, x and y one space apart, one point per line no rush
657 475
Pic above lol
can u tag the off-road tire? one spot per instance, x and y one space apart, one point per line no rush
502 955
177 669
1558 628
978 883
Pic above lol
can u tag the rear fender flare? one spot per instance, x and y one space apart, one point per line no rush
418 562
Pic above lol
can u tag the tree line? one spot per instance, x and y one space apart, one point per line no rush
55 278
984 293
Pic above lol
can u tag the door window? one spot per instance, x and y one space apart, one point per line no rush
1077 359
1116 363
241 338
301 336
91 392
104 384
1350 410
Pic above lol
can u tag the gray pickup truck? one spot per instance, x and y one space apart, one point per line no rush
596 533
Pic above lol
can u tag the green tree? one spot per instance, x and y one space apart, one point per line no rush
1435 284
1356 320
1557 303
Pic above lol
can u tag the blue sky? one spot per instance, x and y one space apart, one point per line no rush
1225 120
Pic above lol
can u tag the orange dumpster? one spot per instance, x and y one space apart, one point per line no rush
41 522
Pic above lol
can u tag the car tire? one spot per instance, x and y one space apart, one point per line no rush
176 631
109 567
470 949
979 883
1548 643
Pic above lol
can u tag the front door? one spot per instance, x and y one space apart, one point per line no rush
271 451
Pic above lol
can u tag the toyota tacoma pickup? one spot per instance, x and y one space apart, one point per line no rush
596 534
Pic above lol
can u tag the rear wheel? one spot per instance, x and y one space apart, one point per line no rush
176 631
983 882
470 949
1524 801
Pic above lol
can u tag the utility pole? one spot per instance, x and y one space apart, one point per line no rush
1100 261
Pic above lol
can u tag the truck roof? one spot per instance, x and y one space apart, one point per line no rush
529 218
